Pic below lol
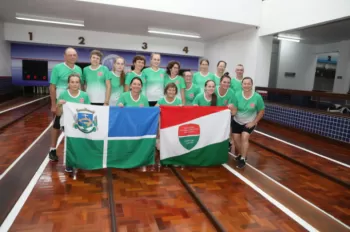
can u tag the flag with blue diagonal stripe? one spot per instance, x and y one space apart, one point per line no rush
101 136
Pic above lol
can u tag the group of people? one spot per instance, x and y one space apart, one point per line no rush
154 86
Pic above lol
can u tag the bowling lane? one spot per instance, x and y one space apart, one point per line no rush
59 203
155 201
236 205
15 138
18 101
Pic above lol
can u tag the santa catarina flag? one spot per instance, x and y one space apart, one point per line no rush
101 136
195 136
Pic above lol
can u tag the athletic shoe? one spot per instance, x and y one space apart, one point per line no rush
69 169
53 156
241 163
238 158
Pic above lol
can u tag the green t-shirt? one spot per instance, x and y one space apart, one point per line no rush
179 82
175 102
81 98
116 88
130 75
216 79
191 93
236 85
247 108
201 100
155 83
59 76
226 99
200 80
127 100
95 80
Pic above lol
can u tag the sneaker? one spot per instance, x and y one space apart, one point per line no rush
241 163
238 158
53 156
69 169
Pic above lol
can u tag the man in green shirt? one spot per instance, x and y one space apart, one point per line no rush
58 84
236 83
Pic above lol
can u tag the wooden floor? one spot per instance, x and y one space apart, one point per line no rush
314 188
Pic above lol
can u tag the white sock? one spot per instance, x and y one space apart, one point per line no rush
52 148
242 158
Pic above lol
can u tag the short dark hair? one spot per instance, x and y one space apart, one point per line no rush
220 62
170 85
248 78
136 78
74 75
202 60
171 65
97 53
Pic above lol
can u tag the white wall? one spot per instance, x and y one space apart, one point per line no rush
301 58
245 48
240 11
69 37
283 15
5 54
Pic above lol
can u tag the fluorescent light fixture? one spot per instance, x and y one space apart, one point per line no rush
43 19
175 33
288 38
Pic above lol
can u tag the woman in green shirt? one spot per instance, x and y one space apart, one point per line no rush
117 79
171 76
208 98
250 109
191 90
139 63
220 69
134 96
170 98
72 94
200 78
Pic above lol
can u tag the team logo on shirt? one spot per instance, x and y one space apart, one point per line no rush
85 120
225 102
81 100
189 135
252 105
161 75
191 95
177 82
141 105
100 74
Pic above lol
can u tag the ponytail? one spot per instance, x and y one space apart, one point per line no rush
122 78
214 99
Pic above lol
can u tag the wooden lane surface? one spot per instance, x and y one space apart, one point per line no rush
235 205
59 203
331 170
16 102
17 137
9 117
325 194
324 146
155 201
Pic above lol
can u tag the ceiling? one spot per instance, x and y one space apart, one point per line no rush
107 18
322 34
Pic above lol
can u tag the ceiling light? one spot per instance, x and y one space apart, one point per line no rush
43 19
288 38
175 33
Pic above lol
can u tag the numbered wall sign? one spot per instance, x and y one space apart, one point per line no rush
81 40
144 46
30 35
185 49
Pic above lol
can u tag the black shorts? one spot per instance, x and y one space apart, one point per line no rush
56 123
152 103
97 104
238 128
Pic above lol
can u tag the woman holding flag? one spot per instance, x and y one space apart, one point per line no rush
72 94
170 98
208 98
134 96
250 109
